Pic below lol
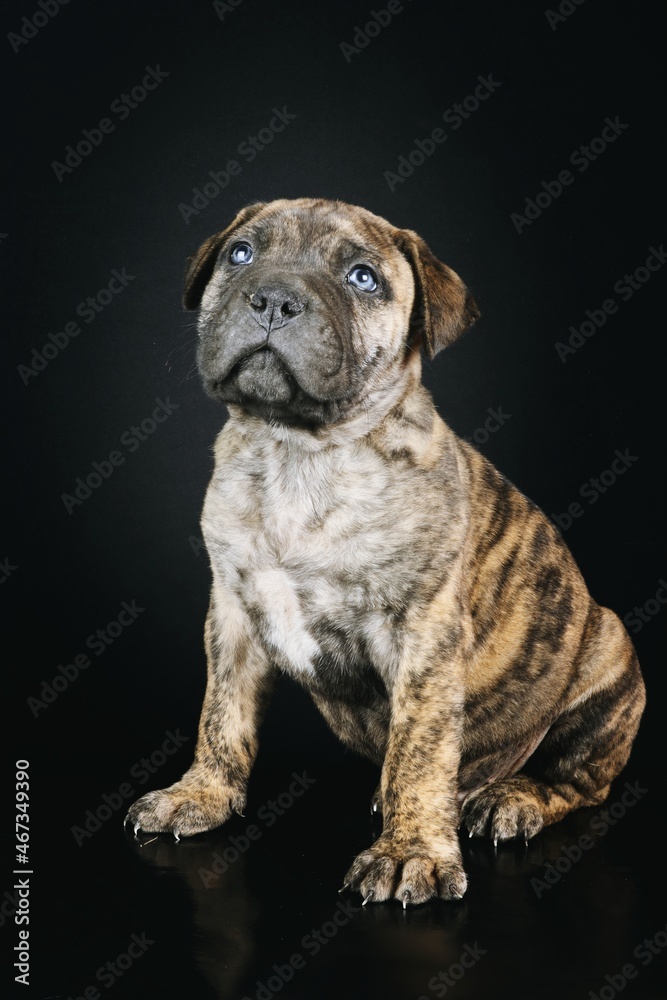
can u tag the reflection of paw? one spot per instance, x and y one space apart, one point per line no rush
502 811
184 809
383 872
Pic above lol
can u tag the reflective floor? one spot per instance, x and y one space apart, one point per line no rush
253 911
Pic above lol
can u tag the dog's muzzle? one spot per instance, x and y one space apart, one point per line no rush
274 338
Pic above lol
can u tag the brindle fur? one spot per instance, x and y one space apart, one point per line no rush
433 612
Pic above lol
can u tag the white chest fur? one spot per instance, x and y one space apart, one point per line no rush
301 539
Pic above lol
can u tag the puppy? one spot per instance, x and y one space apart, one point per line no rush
433 612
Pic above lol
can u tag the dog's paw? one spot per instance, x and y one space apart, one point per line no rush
502 811
412 877
184 809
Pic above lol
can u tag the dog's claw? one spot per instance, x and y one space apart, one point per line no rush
137 826
406 897
344 887
368 898
177 836
470 835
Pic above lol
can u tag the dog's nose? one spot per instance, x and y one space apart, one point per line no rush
276 305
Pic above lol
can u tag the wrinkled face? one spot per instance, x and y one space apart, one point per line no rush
306 306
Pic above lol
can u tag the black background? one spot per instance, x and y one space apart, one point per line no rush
135 538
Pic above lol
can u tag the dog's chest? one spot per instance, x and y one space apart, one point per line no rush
313 546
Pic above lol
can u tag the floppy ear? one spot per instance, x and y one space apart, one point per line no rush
443 308
199 268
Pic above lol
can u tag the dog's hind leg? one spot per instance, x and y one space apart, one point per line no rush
584 750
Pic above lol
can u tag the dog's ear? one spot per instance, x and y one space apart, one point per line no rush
199 268
443 308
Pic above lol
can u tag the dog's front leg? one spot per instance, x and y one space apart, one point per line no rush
239 682
417 856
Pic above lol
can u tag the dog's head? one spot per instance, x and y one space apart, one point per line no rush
307 306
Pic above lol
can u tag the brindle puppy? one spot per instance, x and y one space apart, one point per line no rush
434 614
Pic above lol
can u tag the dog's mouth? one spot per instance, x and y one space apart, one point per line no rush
261 377
259 356
295 375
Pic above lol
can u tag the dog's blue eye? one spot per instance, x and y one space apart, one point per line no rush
363 277
241 253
